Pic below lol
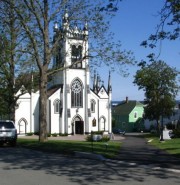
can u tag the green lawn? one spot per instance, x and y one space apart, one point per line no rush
68 147
172 146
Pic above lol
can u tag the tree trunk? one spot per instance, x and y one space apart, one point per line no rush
43 106
158 126
43 79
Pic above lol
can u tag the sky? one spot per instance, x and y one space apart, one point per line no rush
133 23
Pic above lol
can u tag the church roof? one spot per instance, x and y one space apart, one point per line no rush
53 89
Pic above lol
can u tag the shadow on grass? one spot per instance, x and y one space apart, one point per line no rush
109 150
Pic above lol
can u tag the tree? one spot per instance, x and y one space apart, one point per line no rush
12 58
158 80
3 84
168 28
37 17
7 77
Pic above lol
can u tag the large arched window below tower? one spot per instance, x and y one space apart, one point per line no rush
76 94
76 56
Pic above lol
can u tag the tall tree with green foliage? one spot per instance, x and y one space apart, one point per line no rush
13 58
158 80
8 43
5 78
37 18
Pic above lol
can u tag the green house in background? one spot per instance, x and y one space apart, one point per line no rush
128 116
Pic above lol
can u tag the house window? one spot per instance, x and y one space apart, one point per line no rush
57 104
76 56
76 94
93 105
135 114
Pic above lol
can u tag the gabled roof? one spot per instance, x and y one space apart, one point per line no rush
125 108
53 90
102 93
98 94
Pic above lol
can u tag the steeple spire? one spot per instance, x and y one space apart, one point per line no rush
98 82
109 83
95 82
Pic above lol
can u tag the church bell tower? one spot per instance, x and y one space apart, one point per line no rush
71 63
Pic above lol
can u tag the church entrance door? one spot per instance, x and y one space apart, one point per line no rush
79 127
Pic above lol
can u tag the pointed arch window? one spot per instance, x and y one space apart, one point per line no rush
76 94
76 56
57 105
93 105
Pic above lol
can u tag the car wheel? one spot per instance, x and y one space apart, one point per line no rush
13 143
1 144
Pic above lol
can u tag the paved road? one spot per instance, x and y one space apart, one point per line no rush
135 149
19 166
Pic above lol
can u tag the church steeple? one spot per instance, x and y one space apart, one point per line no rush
98 82
95 82
109 84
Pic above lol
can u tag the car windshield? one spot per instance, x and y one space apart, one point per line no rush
6 124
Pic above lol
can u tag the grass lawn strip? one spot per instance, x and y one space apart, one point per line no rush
108 150
172 146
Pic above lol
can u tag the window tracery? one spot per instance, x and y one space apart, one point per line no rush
76 94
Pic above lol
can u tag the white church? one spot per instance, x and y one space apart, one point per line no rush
73 107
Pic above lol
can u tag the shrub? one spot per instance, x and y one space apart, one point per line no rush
89 138
29 134
97 132
63 134
105 139
36 133
54 134
48 135
176 133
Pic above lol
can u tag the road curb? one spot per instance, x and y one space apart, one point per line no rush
89 156
149 166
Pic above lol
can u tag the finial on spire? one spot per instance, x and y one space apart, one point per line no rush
65 17
66 20
56 28
85 26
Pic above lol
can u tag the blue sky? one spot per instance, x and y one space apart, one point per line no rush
134 22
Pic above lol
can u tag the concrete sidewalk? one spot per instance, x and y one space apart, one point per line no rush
76 137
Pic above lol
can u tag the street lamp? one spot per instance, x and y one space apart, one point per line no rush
162 124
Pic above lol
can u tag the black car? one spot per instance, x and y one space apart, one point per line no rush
8 132
118 131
